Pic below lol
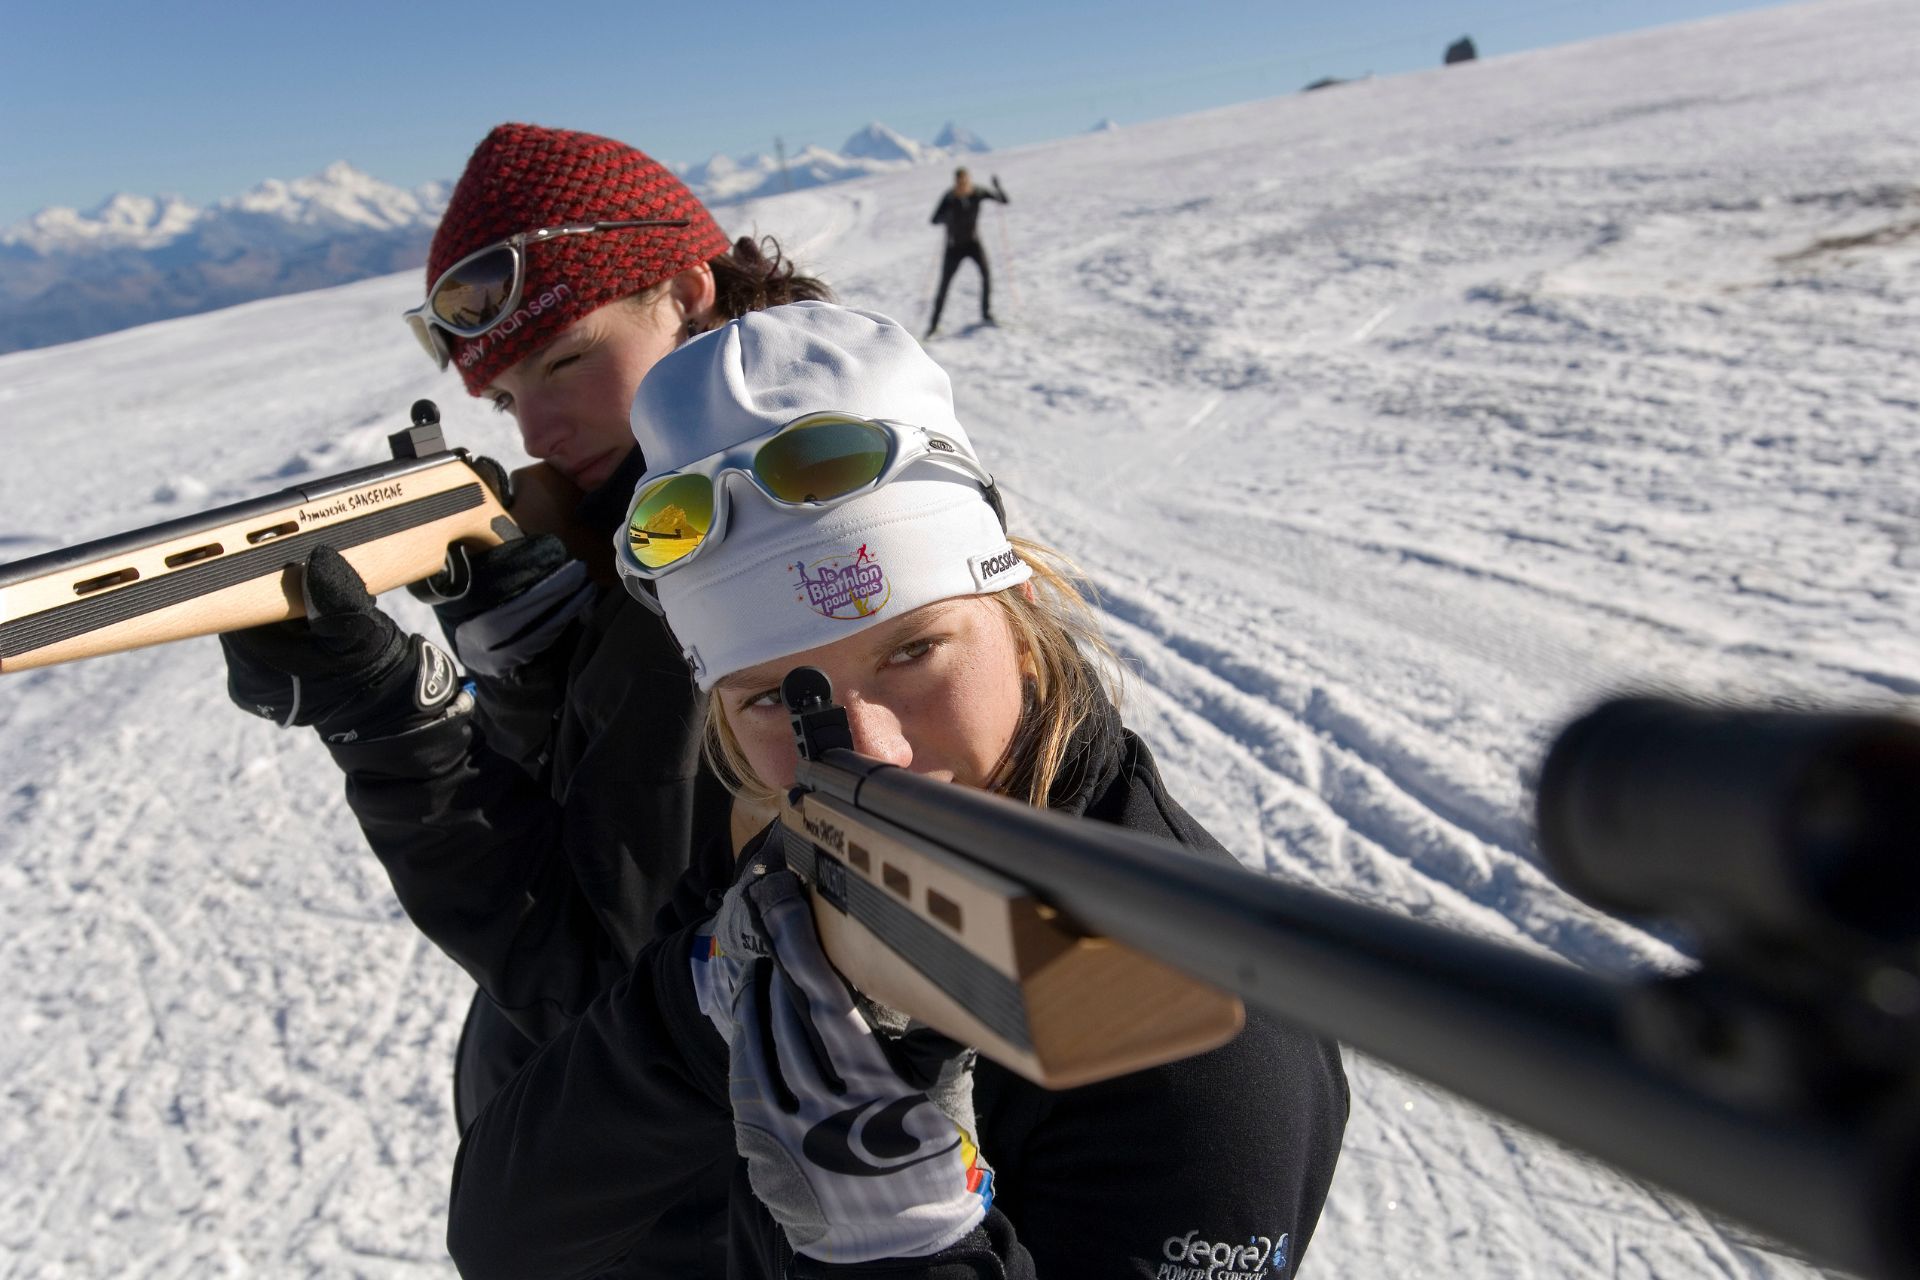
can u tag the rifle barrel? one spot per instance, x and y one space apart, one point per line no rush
1529 1037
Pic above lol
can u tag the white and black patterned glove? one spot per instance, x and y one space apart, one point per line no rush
860 1145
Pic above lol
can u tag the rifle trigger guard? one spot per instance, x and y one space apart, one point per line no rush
453 581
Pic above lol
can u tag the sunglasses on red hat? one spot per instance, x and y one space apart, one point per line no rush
820 460
483 288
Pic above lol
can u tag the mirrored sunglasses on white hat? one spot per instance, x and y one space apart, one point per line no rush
816 461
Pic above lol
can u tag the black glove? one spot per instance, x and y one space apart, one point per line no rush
345 668
514 600
996 187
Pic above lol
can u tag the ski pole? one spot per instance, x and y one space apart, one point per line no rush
933 271
1006 257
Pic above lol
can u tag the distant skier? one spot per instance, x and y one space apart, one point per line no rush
959 209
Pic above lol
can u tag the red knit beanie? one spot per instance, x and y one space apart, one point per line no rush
524 177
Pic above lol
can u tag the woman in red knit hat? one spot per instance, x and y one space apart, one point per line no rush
565 266
545 233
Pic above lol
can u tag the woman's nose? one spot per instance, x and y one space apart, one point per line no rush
541 430
877 732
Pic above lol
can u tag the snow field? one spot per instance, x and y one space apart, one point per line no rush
1396 423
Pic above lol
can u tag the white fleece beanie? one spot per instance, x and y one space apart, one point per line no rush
777 580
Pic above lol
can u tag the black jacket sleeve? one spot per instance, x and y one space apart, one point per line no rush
473 846
990 1252
516 710
605 1129
534 838
570 1166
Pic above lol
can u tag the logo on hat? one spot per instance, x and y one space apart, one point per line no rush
507 326
986 569
847 586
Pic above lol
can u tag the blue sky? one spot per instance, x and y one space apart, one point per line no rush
205 99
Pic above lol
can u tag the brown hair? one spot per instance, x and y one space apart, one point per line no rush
751 276
754 275
1071 671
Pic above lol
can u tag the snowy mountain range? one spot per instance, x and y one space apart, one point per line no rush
65 274
874 149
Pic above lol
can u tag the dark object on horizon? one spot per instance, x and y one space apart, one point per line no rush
1324 82
1461 50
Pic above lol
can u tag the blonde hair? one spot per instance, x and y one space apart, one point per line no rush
1071 672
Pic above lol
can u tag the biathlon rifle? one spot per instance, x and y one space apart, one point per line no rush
407 522
1777 1083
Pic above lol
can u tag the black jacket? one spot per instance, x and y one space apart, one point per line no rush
962 213
535 838
1227 1154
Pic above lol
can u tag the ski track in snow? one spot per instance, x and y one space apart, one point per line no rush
1396 424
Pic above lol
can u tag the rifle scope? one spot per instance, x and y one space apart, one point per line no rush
1744 824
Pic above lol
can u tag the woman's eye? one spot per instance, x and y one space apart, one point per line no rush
912 651
761 701
503 403
561 363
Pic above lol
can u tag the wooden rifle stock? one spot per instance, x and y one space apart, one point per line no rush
988 961
226 569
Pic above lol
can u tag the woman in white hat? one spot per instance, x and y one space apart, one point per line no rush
811 499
